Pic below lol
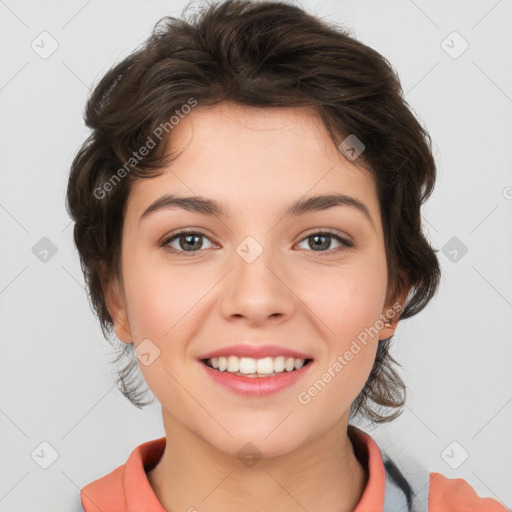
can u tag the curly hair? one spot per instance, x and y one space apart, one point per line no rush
263 54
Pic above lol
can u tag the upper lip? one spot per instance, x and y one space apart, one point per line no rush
255 352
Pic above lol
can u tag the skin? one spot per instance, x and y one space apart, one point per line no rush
253 161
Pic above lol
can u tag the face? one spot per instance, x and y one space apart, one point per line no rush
310 280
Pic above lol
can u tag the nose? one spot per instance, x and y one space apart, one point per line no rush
257 290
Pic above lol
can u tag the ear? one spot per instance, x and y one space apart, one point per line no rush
116 304
391 313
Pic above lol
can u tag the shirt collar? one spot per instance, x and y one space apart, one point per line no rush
140 495
138 491
369 455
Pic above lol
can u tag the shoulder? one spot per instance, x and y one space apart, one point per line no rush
455 494
105 493
128 483
408 486
418 490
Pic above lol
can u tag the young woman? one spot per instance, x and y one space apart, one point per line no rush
247 213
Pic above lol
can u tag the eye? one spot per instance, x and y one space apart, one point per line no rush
323 239
186 241
192 241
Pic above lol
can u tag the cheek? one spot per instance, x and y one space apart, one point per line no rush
348 306
164 304
347 299
166 307
348 302
162 296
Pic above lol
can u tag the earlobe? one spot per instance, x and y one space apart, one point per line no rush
116 304
391 314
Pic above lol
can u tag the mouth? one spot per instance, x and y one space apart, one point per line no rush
268 368
255 382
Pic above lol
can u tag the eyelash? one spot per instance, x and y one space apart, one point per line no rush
346 244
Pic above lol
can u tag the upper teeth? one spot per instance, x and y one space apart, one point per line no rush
249 365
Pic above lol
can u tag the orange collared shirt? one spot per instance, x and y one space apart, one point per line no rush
127 488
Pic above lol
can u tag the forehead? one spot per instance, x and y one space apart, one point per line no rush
255 160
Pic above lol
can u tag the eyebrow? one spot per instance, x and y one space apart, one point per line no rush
206 206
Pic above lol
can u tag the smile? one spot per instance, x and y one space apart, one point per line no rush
256 377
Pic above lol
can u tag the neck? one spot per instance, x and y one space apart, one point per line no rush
322 475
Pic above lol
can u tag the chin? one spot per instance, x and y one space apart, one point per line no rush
258 442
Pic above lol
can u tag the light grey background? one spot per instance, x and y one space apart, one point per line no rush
56 378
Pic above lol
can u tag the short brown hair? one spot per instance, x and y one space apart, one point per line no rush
260 54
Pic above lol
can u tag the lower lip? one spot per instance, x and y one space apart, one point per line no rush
256 386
